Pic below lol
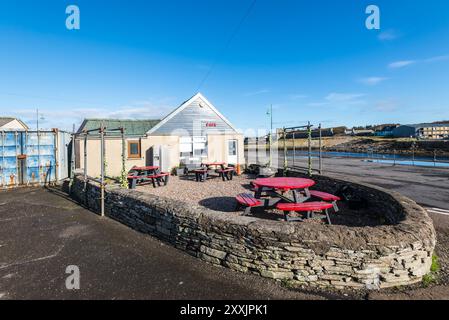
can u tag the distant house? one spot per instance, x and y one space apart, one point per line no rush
359 132
423 131
12 124
194 132
303 134
386 131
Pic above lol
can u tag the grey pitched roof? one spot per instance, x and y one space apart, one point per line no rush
425 125
6 120
132 127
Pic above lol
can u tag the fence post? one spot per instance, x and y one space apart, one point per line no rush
257 150
434 157
294 150
284 136
102 170
309 134
394 157
123 150
270 142
320 152
72 161
85 161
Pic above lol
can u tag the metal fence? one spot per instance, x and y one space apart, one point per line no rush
303 149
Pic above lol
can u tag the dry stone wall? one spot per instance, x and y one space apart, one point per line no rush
395 254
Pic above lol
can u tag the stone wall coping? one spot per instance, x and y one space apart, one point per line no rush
415 227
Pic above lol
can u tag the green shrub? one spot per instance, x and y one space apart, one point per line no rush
435 267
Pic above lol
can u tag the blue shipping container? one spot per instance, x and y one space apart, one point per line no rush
30 158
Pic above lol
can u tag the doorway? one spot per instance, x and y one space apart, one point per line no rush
232 152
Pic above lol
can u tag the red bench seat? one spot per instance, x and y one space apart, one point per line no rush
137 177
200 174
155 179
324 195
248 201
304 207
308 207
226 174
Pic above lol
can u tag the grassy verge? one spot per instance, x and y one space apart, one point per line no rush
432 276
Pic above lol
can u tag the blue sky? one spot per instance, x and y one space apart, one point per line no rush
313 60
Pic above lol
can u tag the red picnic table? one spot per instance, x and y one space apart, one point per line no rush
220 168
139 175
272 187
213 164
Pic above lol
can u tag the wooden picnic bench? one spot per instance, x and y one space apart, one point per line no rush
271 193
200 174
326 197
308 207
247 201
226 173
156 179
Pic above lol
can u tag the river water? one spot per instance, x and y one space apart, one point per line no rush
377 158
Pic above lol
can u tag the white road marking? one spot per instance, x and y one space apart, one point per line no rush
4 266
438 211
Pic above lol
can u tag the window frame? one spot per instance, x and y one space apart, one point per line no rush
134 156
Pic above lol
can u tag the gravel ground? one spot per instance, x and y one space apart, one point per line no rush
220 196
213 194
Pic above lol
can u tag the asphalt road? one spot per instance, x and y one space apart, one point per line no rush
42 232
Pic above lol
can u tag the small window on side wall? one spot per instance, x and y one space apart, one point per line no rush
133 149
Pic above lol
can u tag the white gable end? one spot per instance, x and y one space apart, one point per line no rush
13 125
195 117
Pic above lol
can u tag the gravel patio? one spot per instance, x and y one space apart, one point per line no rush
219 196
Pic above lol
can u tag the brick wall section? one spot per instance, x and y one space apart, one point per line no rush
311 254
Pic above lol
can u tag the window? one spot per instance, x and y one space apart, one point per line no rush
134 149
192 149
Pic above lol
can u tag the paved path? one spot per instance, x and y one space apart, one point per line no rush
43 232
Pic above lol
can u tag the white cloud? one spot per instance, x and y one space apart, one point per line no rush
64 119
343 97
401 64
256 93
372 81
437 58
388 105
388 35
339 99
404 63
296 96
318 104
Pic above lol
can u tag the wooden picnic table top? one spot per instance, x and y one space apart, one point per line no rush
148 168
214 163
285 183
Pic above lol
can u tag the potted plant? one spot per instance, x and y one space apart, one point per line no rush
179 170
266 171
